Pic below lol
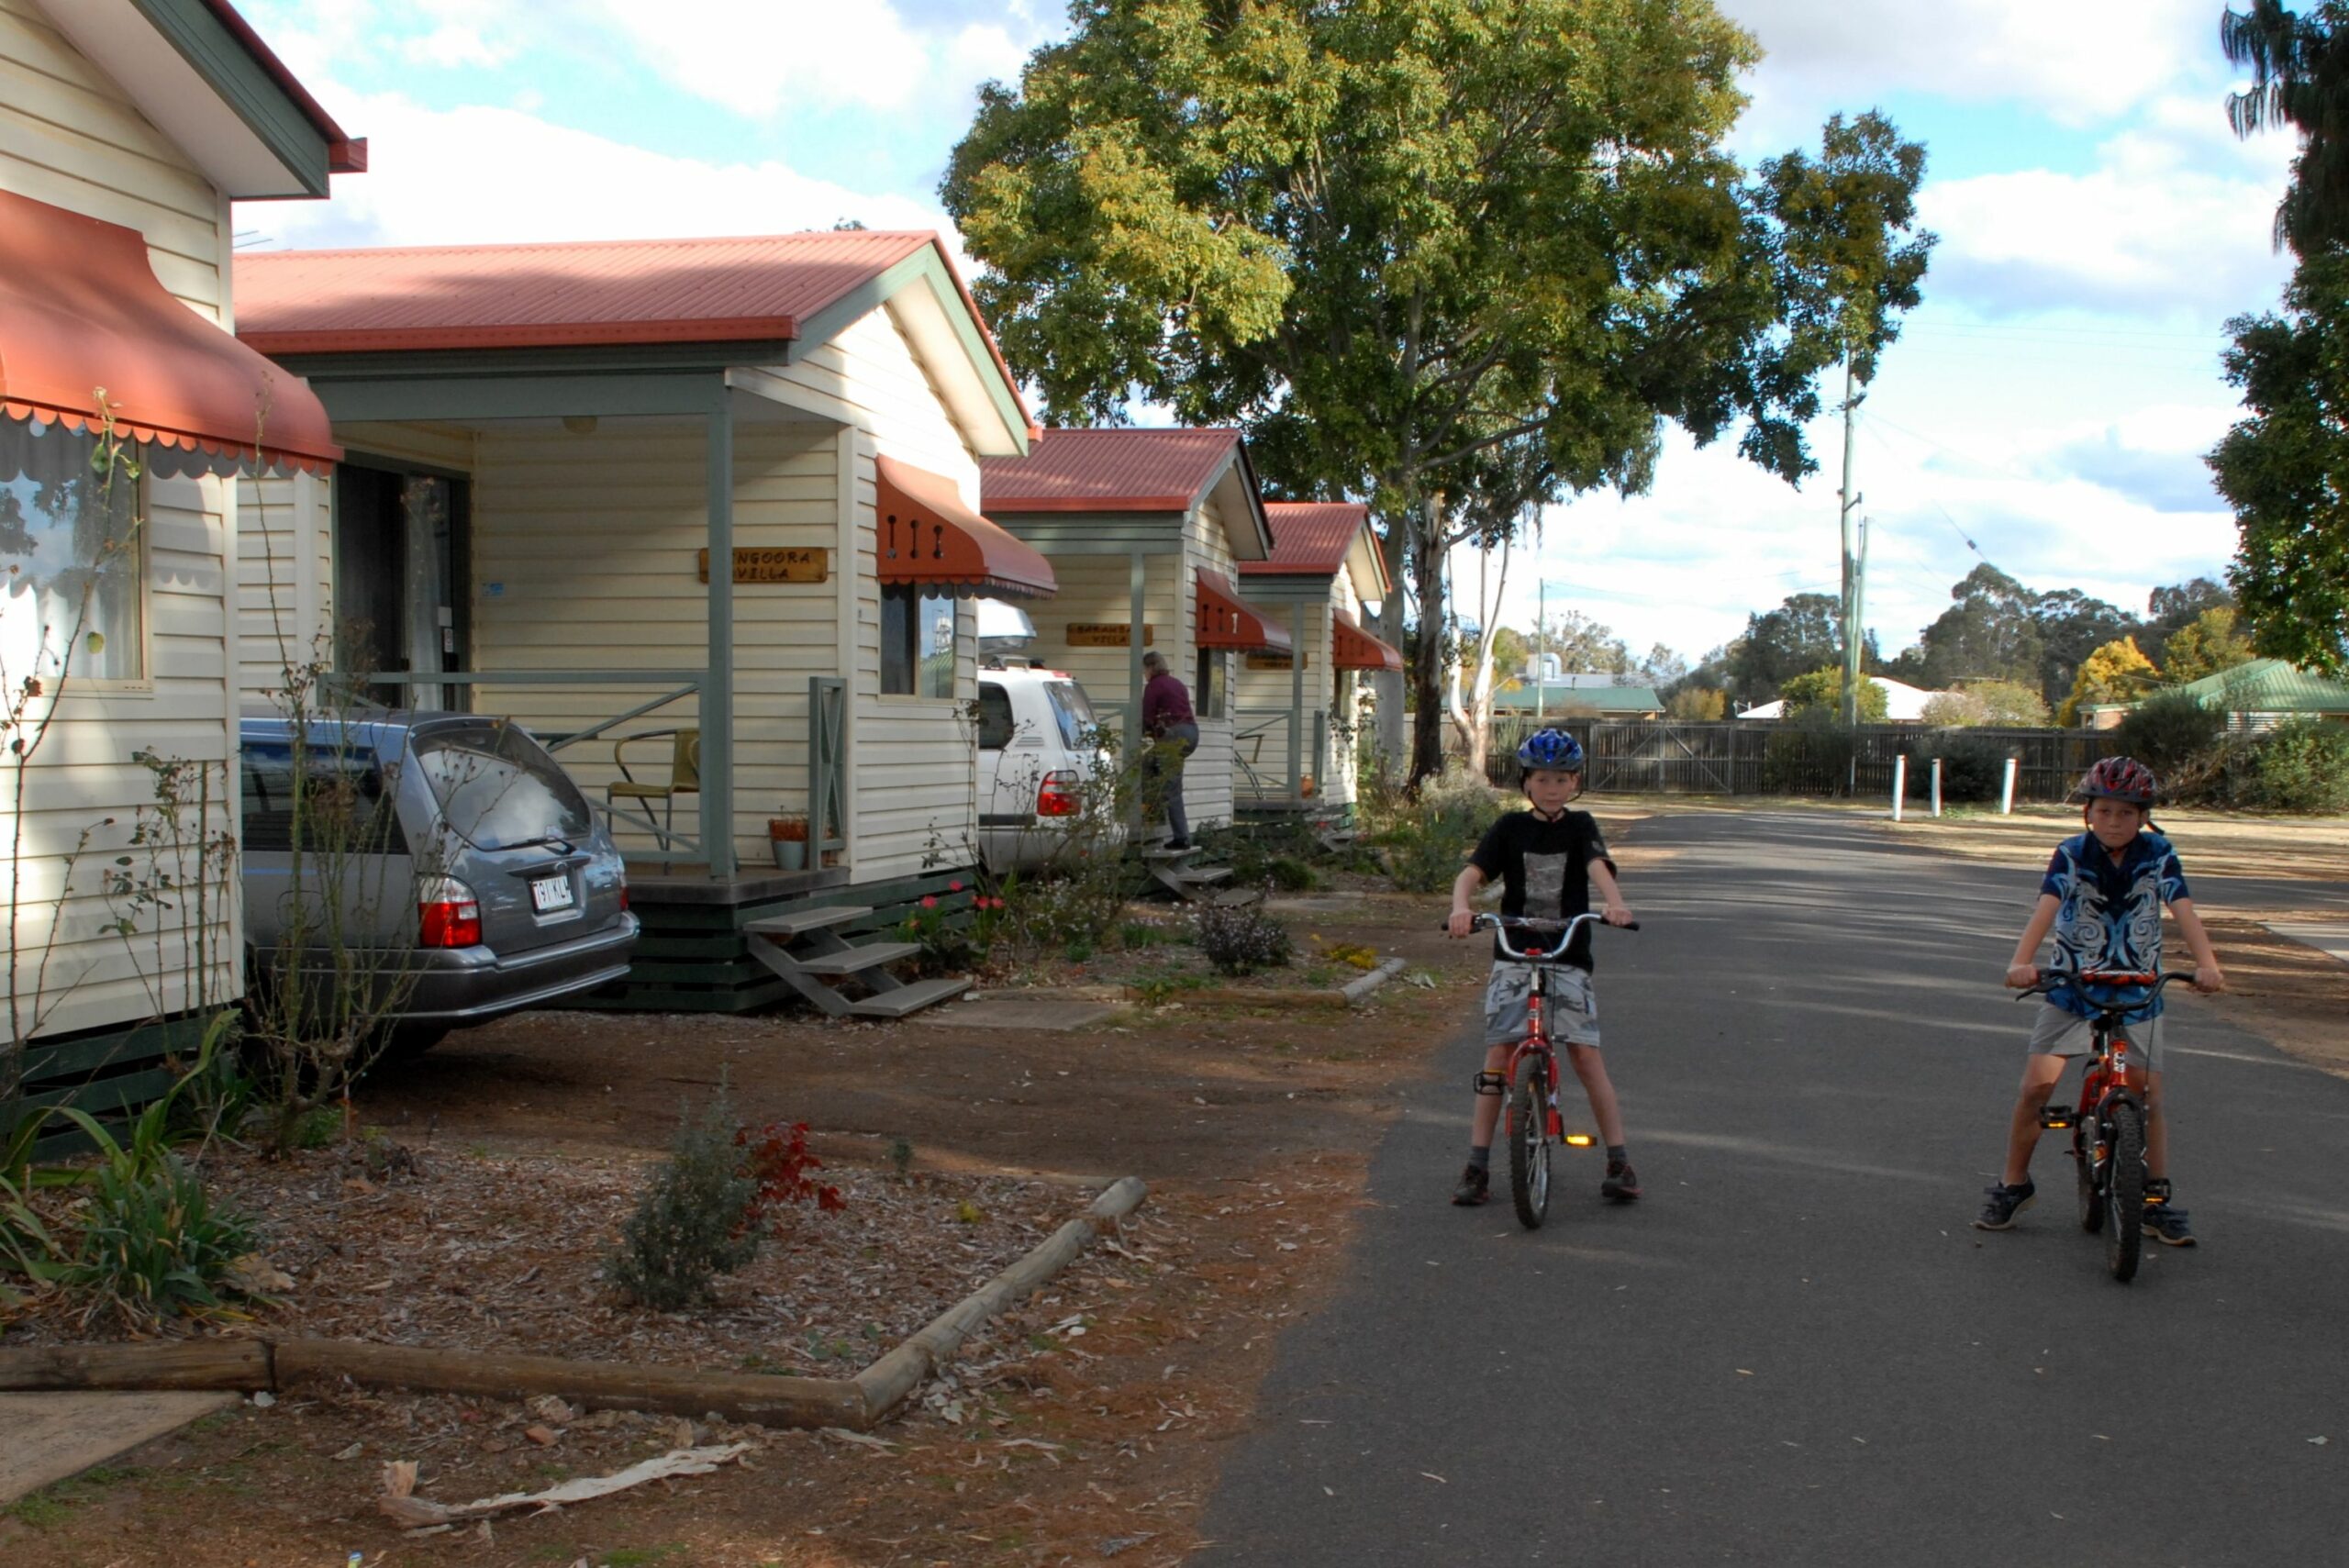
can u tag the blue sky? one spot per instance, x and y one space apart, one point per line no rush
2049 402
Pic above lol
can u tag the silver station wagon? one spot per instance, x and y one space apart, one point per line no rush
447 861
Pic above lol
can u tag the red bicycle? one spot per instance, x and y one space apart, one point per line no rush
1531 1082
2108 1125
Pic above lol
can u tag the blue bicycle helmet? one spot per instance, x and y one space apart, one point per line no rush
1549 749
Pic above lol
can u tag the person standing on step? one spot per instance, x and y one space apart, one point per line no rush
1173 731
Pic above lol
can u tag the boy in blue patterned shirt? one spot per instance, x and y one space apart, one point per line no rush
2102 898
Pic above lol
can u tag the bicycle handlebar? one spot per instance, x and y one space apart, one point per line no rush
1501 925
2049 979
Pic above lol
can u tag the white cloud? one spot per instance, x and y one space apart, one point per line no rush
485 175
756 56
2078 62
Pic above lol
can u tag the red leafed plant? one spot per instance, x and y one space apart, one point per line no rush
776 1158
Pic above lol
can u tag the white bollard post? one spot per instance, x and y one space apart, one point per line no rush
2006 791
1900 784
1937 787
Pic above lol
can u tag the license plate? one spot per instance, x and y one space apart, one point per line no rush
549 894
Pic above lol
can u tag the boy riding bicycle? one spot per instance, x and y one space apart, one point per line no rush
2102 897
1547 858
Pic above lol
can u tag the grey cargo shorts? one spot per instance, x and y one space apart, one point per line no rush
1571 1009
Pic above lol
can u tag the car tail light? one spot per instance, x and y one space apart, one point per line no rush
448 915
623 892
1056 796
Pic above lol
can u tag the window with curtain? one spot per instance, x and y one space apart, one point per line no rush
1211 698
72 567
918 640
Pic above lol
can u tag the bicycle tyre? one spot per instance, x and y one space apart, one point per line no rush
1528 1147
2124 1189
2083 1170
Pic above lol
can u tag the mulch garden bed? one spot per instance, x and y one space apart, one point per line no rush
461 1250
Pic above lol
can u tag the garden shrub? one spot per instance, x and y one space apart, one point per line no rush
1240 937
2304 766
1808 753
689 1227
152 1247
2168 732
1973 767
1427 841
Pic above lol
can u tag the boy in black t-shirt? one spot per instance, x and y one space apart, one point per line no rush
1546 858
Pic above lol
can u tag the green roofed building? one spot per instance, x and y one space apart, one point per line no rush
2256 696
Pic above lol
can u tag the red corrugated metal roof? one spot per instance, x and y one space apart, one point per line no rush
1309 536
595 291
81 311
1113 469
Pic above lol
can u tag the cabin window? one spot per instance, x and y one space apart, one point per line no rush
72 564
1211 698
918 640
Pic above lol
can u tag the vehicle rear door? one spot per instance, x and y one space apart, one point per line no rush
517 831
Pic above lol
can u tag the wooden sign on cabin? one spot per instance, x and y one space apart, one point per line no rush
757 565
1273 660
1106 634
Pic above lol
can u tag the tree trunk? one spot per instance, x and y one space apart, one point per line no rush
1386 685
1427 657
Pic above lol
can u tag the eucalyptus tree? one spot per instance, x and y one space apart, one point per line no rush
1399 241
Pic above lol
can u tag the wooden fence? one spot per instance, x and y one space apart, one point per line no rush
1760 757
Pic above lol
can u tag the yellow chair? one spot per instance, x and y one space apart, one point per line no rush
684 778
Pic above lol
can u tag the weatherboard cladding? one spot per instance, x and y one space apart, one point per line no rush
638 291
1114 469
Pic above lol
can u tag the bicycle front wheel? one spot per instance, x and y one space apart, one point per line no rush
2084 1167
2124 1190
1529 1146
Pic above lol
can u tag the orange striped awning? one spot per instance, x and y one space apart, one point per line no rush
1354 648
1226 620
82 313
928 534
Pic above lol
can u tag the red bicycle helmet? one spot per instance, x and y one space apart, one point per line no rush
2118 778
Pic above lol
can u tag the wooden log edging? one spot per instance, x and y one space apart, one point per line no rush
1354 990
859 1404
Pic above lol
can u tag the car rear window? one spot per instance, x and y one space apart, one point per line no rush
1073 713
498 788
346 801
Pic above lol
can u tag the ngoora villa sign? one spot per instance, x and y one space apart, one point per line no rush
776 565
1106 634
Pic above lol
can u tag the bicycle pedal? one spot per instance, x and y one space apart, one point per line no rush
2053 1119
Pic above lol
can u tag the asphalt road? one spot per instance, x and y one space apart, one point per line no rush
1795 1350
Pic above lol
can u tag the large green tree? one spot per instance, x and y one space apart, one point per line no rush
1421 251
2284 466
1803 633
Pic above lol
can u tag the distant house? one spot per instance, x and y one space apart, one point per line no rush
1903 704
1570 698
2257 695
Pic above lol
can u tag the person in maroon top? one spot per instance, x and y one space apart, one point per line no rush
1173 732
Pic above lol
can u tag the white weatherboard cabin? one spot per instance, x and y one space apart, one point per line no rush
1143 529
126 130
549 449
1298 716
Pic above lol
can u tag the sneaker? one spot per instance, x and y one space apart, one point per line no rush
2164 1221
1475 1186
1622 1185
2005 1202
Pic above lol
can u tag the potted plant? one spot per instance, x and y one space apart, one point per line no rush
788 835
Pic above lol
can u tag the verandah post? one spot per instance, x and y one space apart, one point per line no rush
717 682
1297 701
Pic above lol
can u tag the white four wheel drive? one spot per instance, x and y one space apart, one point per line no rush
1039 750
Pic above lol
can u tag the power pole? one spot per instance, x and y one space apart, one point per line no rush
1850 500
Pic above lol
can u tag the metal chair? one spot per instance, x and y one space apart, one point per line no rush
684 778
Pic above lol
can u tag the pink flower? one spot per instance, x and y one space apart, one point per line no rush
953 887
928 901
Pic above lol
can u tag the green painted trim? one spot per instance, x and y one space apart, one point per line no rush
517 396
593 359
1096 533
238 80
132 1047
925 265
